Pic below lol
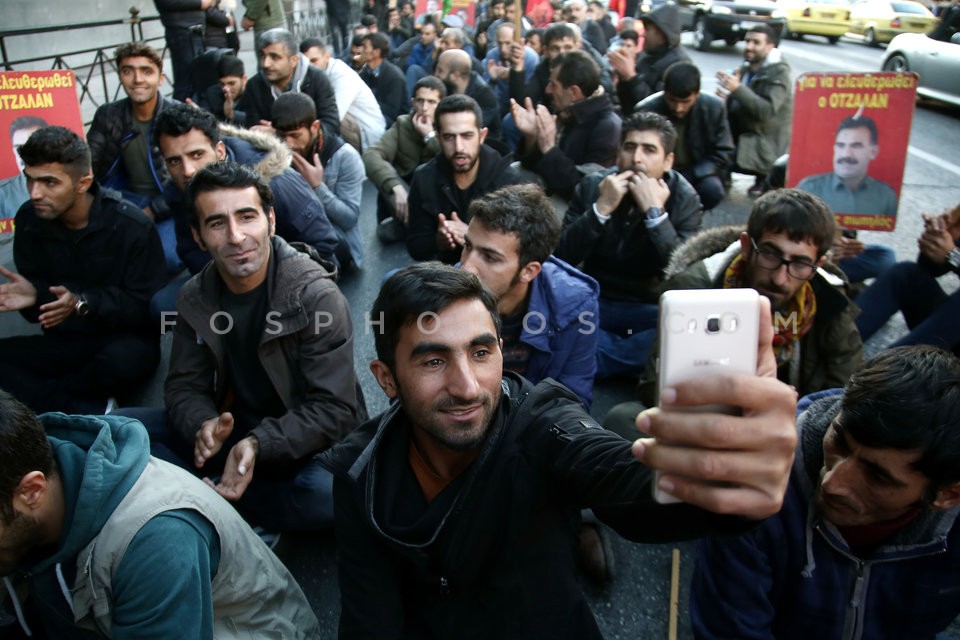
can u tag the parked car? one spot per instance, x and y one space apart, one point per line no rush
876 21
936 59
827 18
727 20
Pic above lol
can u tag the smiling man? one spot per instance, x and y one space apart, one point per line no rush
458 508
261 372
867 542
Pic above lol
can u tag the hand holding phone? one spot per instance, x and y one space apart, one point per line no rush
722 463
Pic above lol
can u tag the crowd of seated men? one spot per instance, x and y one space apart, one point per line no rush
549 178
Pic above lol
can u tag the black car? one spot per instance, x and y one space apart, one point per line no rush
727 20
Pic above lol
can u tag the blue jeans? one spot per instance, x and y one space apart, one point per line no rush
627 333
298 498
908 287
874 260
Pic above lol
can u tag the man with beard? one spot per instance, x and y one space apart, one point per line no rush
332 168
284 69
759 99
110 542
384 78
622 225
582 133
867 544
458 508
783 255
455 69
442 189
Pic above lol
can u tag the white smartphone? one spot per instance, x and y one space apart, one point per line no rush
706 332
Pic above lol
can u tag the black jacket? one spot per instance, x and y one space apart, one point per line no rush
492 555
623 255
651 66
536 87
708 139
433 191
479 90
112 130
587 141
257 99
115 263
180 13
389 87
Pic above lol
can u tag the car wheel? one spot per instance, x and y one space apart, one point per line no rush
833 39
896 62
701 34
731 41
786 34
870 37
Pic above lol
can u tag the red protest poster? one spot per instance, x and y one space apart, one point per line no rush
428 6
466 9
849 143
30 100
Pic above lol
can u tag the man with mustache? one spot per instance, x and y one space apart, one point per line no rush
442 189
849 189
867 543
457 510
621 227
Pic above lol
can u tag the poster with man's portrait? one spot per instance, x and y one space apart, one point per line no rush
30 100
849 143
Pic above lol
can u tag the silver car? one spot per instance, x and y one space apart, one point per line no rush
936 60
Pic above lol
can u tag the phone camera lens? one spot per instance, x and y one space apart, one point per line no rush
713 324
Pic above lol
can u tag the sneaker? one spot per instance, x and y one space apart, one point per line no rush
391 230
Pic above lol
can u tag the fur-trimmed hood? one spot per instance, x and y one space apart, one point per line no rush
265 153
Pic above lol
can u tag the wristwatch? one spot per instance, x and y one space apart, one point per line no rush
953 259
654 212
82 307
430 136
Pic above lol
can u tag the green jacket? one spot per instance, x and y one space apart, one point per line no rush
760 114
267 14
394 157
829 353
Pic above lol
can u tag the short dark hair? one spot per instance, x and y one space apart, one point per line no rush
23 448
277 35
860 122
137 50
524 210
431 82
357 41
766 30
908 398
425 287
494 3
225 174
630 34
230 65
536 31
291 111
380 42
559 31
26 122
650 121
457 103
178 119
681 80
309 43
802 216
368 20
577 68
60 145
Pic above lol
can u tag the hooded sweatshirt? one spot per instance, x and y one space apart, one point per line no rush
653 64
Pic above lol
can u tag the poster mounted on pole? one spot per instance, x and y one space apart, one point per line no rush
849 143
30 100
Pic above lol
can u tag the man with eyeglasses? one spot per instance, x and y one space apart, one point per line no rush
781 254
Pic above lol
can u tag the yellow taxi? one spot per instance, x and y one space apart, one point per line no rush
827 18
876 21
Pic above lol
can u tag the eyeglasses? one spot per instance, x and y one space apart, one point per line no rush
772 260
